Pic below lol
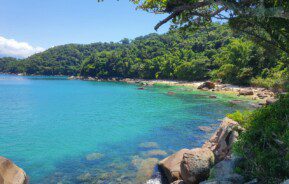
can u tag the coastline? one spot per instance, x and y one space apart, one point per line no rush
218 88
260 95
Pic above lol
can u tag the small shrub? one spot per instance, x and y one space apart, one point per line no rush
265 143
240 117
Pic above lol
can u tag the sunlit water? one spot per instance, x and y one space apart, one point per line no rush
50 126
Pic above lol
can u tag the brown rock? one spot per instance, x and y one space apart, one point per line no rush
170 166
10 173
212 96
246 92
171 93
270 101
196 165
261 95
222 140
208 85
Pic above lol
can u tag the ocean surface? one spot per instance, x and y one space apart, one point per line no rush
70 131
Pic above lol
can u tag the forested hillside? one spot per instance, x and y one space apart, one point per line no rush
212 53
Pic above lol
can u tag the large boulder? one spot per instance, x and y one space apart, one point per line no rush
170 166
222 140
228 179
11 173
224 172
196 165
246 92
208 85
270 101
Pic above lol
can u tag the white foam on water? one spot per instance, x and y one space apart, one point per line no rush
154 181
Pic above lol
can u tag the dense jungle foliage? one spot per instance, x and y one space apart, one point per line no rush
267 157
212 53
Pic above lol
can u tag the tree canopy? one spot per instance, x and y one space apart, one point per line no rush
214 53
266 21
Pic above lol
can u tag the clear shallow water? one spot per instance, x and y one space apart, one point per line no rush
49 125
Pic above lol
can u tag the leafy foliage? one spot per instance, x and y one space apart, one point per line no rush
214 52
265 143
265 21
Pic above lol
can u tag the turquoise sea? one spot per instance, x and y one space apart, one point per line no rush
63 131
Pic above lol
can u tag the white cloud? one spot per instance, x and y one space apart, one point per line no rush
13 48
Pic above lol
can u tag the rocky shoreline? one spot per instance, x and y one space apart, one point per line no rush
263 96
211 163
11 173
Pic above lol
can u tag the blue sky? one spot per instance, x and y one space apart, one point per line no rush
40 24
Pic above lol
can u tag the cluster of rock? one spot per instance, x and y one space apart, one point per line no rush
93 78
265 96
11 173
195 165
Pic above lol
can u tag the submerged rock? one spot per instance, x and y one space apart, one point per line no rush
236 101
136 161
156 152
146 170
94 156
196 165
205 128
149 145
171 93
86 177
11 173
212 96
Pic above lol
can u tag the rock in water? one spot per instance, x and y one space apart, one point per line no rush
208 85
196 165
170 166
146 170
149 145
212 96
11 173
246 92
222 140
171 93
154 153
94 156
205 128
